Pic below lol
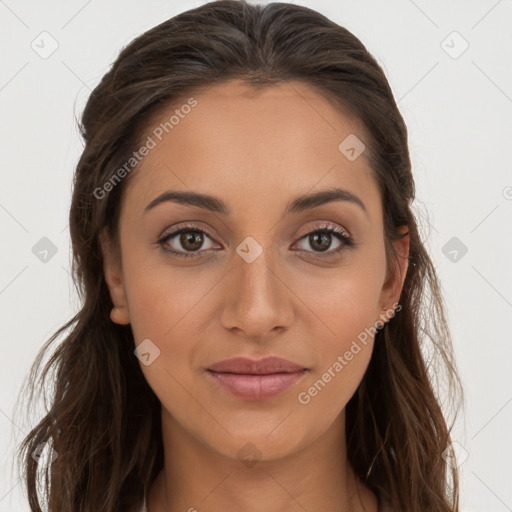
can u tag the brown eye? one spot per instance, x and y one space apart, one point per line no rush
191 240
320 241
186 241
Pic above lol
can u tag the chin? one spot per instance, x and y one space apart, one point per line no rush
255 445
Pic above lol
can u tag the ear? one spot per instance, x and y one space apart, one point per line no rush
114 279
392 287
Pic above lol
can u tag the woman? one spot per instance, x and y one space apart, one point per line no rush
255 290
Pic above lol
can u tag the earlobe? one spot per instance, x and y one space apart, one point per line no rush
114 279
120 313
120 316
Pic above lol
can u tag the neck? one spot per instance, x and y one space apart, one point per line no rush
316 478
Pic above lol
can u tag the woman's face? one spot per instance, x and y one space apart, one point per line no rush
262 278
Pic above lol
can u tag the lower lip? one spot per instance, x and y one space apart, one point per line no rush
256 387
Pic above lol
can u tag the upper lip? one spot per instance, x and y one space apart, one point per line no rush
264 366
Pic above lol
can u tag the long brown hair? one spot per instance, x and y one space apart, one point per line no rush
104 420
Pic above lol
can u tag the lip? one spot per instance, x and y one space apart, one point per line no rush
263 366
256 379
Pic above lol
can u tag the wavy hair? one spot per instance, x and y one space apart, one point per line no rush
104 419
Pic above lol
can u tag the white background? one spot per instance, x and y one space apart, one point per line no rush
458 112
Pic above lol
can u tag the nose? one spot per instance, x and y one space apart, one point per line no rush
258 302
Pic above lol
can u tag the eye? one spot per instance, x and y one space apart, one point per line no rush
321 239
191 238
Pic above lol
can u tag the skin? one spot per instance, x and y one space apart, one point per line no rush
255 151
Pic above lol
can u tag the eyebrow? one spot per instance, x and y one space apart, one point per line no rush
297 205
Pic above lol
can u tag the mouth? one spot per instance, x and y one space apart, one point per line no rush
256 387
266 366
256 380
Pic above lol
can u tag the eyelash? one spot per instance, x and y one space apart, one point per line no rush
346 240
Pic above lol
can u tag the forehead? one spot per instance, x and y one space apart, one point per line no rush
241 142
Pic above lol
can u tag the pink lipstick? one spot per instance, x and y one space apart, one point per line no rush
256 379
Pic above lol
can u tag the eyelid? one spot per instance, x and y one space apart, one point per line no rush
327 226
191 226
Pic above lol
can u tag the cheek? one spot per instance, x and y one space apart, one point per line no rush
349 311
343 353
345 330
345 303
161 311
169 307
161 301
